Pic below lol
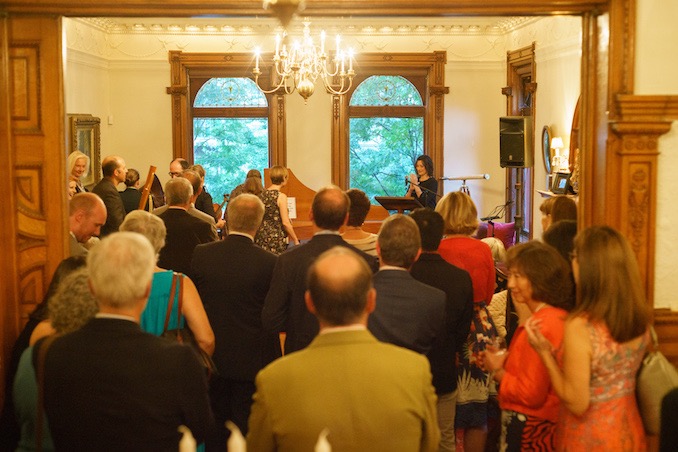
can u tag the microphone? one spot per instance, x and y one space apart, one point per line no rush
477 176
493 217
407 180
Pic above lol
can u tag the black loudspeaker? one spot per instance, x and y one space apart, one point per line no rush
515 141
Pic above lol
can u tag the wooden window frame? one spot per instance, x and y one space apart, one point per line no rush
189 71
426 71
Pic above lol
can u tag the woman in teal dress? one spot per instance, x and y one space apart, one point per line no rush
153 317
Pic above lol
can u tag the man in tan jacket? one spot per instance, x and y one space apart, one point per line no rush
367 394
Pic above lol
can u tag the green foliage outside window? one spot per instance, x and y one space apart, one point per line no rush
382 153
382 150
229 147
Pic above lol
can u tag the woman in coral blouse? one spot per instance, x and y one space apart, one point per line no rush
460 249
539 278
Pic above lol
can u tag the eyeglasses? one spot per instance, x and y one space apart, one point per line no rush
173 174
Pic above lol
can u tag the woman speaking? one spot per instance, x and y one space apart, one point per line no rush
423 186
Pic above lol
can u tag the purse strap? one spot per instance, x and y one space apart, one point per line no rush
655 339
40 377
170 303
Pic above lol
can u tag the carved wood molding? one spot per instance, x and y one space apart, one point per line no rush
642 120
330 8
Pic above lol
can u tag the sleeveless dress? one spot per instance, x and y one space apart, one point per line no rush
153 317
271 236
612 421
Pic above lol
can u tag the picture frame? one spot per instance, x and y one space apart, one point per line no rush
546 148
561 183
85 137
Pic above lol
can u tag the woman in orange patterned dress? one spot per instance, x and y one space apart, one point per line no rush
605 340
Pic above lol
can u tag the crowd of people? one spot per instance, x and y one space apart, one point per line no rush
390 341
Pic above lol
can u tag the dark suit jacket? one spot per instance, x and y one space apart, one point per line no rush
435 271
409 313
115 210
184 233
285 309
233 277
111 387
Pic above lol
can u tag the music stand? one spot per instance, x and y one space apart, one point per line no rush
399 203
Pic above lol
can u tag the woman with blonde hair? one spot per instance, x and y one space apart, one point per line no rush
460 249
77 165
605 339
276 227
153 317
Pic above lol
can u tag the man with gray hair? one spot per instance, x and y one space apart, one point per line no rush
109 385
184 231
194 178
233 277
409 313
86 216
368 395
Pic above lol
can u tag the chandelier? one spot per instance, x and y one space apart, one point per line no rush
299 65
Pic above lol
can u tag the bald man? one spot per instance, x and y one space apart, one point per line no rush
368 395
284 309
86 216
115 172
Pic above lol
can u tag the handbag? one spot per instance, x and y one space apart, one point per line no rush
656 377
185 335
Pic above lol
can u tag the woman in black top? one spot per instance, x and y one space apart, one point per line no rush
423 186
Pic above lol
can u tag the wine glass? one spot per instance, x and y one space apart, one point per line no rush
497 346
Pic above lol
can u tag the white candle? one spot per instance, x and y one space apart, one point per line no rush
187 442
236 442
322 42
257 51
350 59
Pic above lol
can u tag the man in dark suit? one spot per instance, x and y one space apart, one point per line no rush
233 277
194 178
285 309
114 171
409 313
110 386
184 231
435 271
365 394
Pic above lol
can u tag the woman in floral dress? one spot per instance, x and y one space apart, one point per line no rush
276 226
604 344
460 249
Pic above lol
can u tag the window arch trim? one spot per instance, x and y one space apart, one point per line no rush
426 71
189 71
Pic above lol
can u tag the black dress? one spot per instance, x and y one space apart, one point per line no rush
429 193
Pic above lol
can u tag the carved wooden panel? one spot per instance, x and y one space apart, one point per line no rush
24 75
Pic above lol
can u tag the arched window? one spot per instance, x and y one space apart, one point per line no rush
393 114
221 120
230 131
386 134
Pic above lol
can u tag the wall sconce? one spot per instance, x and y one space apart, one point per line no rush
557 145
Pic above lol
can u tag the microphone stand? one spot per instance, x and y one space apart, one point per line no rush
426 191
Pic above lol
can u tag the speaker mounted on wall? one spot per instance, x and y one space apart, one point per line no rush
515 142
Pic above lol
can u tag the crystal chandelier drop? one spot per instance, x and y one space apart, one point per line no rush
299 65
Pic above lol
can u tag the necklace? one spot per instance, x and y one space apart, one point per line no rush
539 306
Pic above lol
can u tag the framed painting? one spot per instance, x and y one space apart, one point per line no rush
85 137
546 148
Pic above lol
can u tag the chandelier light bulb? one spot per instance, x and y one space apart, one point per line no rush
298 68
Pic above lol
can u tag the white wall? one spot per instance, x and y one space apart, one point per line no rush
657 73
